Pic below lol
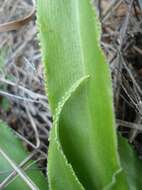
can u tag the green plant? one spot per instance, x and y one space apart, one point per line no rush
83 143
84 152
12 153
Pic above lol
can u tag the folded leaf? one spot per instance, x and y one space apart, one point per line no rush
83 146
16 152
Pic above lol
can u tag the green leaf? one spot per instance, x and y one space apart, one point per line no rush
131 164
55 151
12 147
83 143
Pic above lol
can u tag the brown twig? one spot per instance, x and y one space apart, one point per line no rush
15 25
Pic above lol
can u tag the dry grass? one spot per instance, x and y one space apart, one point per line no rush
121 40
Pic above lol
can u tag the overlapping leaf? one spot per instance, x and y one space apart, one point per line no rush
69 34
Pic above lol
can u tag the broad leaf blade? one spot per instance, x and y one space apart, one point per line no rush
14 149
84 127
